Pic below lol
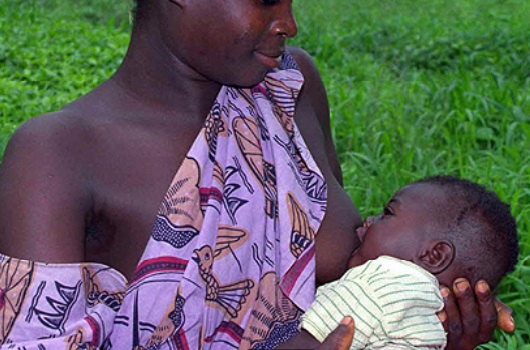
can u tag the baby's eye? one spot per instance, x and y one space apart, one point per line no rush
270 2
387 212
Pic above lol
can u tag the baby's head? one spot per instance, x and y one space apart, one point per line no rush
449 226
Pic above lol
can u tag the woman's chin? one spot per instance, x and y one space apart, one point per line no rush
247 82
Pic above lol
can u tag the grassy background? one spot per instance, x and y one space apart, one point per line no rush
416 88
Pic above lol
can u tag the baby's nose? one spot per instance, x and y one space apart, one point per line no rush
361 232
369 221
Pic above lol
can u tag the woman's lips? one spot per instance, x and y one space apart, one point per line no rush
269 60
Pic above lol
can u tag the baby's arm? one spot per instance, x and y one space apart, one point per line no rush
348 296
393 304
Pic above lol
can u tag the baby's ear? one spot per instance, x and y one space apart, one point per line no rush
436 256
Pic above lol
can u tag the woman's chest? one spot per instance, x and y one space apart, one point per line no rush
130 180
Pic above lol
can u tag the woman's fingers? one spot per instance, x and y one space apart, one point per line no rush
504 315
341 338
470 314
452 324
488 312
469 309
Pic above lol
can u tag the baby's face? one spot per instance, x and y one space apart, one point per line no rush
402 228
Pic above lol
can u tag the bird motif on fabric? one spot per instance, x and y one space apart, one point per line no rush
77 341
171 325
231 296
302 234
176 236
274 317
95 295
181 203
228 240
177 316
246 132
285 97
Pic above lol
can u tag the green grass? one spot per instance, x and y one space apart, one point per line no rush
420 88
416 88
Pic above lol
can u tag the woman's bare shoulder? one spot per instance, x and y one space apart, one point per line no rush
44 195
57 136
302 57
313 90
309 69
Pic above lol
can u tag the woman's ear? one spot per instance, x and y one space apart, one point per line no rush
436 256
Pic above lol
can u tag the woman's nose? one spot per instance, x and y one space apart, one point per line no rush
285 24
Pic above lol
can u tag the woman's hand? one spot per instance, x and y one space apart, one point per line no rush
470 316
341 338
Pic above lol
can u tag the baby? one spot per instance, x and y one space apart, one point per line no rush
432 231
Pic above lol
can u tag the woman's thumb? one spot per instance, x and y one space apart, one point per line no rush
341 338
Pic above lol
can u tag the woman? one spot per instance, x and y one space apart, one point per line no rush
199 117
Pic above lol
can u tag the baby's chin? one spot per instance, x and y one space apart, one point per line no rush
356 259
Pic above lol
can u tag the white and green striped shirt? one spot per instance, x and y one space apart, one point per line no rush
393 303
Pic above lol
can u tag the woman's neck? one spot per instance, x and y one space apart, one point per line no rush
155 76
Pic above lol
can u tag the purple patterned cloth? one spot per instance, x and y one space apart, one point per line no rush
230 262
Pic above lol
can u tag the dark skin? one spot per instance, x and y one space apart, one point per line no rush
86 182
408 229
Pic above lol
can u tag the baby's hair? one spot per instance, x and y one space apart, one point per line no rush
481 225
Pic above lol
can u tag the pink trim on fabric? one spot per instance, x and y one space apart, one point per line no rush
161 264
291 277
95 328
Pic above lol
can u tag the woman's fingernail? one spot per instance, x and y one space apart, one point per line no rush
462 285
444 292
483 287
346 321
